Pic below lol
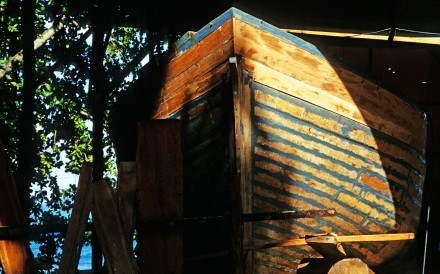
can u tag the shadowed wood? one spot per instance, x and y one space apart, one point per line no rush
126 189
15 255
160 187
111 234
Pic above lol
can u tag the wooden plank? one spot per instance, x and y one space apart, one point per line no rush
160 190
15 254
188 76
77 222
243 155
192 84
376 237
199 51
126 189
337 239
193 89
108 225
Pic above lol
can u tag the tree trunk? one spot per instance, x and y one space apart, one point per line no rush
26 149
98 98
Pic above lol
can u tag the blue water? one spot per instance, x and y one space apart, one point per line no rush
85 260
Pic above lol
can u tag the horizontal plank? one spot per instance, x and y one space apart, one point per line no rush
335 239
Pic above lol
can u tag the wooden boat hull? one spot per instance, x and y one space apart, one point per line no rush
270 121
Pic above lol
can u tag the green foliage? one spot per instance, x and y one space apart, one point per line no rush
62 114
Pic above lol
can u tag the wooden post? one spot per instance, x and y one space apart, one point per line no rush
110 232
159 181
15 255
77 222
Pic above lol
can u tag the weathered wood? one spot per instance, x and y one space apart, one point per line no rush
191 89
160 188
126 190
243 151
365 238
15 255
77 222
398 118
350 266
110 231
316 135
208 53
332 239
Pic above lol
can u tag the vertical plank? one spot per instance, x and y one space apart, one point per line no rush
112 240
126 190
77 222
160 188
15 255
243 144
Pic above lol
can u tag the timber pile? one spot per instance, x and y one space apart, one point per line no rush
15 254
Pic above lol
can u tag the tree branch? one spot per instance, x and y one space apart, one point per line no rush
46 35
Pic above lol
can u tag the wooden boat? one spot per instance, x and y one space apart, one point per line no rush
272 124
